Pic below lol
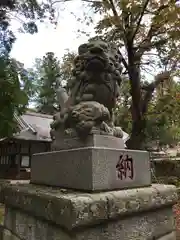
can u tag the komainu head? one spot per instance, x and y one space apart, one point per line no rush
97 74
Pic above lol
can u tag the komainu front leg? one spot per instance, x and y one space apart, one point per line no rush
117 132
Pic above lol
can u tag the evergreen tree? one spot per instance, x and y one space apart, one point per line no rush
47 82
15 85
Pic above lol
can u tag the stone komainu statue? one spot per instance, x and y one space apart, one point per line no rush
93 91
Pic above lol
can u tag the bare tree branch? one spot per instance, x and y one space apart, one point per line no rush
140 18
124 62
117 24
88 1
122 58
113 8
160 78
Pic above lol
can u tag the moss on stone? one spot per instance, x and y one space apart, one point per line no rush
71 209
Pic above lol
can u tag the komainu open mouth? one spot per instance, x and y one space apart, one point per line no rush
96 64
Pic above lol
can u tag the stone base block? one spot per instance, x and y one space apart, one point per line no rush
147 226
93 140
44 213
92 169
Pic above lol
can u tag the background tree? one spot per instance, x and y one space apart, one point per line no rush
15 90
162 117
27 12
163 124
15 86
67 67
122 110
147 32
47 81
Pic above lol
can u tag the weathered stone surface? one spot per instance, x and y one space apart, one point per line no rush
71 209
7 235
170 236
92 169
149 225
30 228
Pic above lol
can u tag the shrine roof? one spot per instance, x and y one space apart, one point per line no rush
33 126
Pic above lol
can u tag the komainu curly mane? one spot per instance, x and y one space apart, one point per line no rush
97 74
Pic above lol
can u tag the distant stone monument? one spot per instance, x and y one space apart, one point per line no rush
90 186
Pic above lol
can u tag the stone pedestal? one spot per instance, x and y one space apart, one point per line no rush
87 191
46 213
101 165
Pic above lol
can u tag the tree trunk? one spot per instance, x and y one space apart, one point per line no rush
137 135
138 121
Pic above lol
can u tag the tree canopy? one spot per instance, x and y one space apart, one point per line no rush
147 33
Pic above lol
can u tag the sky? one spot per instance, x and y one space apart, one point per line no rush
57 39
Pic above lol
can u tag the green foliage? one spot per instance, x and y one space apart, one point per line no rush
67 67
28 12
13 97
47 80
162 117
122 111
47 76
